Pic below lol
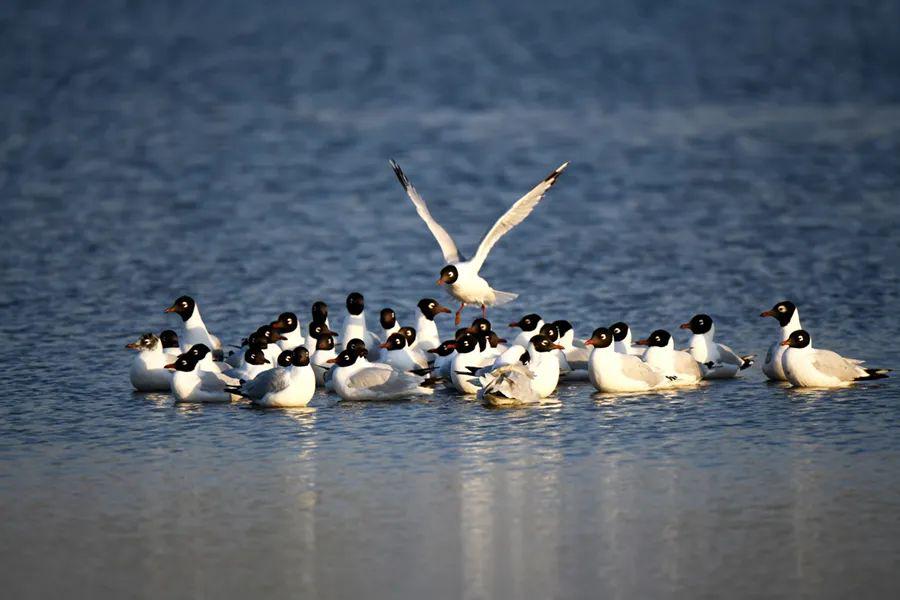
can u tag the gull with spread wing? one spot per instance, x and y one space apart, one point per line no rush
461 275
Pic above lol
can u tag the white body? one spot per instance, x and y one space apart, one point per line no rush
459 366
292 339
772 366
194 332
612 371
809 367
427 334
626 347
375 381
148 372
677 366
289 387
523 383
199 386
405 359
704 349
320 365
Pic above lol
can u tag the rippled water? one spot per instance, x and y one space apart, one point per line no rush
723 157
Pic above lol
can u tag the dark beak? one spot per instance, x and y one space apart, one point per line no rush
442 309
767 313
278 325
685 326
501 341
643 342
384 345
133 346
786 342
171 309
331 360
277 336
557 347
514 324
170 366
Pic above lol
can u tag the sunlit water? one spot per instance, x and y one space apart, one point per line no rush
723 158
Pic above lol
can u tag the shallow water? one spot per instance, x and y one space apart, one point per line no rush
723 158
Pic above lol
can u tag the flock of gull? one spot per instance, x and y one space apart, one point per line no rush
277 365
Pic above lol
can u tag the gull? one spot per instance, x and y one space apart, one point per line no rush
613 371
806 366
426 328
717 361
148 371
678 366
373 381
195 331
788 317
461 275
528 382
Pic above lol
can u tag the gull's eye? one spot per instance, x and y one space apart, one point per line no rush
781 309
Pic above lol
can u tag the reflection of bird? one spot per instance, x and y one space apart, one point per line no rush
806 366
461 275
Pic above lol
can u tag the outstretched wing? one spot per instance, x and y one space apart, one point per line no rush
515 215
448 246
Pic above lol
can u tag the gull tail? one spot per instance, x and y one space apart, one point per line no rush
873 374
503 298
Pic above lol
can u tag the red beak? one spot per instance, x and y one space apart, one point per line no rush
170 366
643 342
331 360
171 309
786 343
132 345
557 347
442 309
442 281
384 345
589 342
767 313
514 324
685 326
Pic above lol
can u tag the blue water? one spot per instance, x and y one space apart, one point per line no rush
724 156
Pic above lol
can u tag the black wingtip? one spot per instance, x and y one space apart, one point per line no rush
421 372
874 374
748 361
552 177
401 177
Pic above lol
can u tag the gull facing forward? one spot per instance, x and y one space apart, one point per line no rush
461 275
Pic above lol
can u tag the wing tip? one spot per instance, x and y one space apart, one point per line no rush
552 177
401 176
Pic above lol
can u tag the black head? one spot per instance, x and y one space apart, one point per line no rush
549 330
409 333
783 312
494 340
444 349
601 338
798 339
257 340
168 338
286 358
431 307
301 356
185 363
325 342
319 312
355 345
270 335
184 306
387 318
480 325
255 356
395 341
659 338
563 327
355 303
528 322
542 343
286 322
148 341
346 358
619 331
198 351
317 330
466 343
449 274
699 324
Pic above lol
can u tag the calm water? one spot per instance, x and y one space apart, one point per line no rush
723 157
